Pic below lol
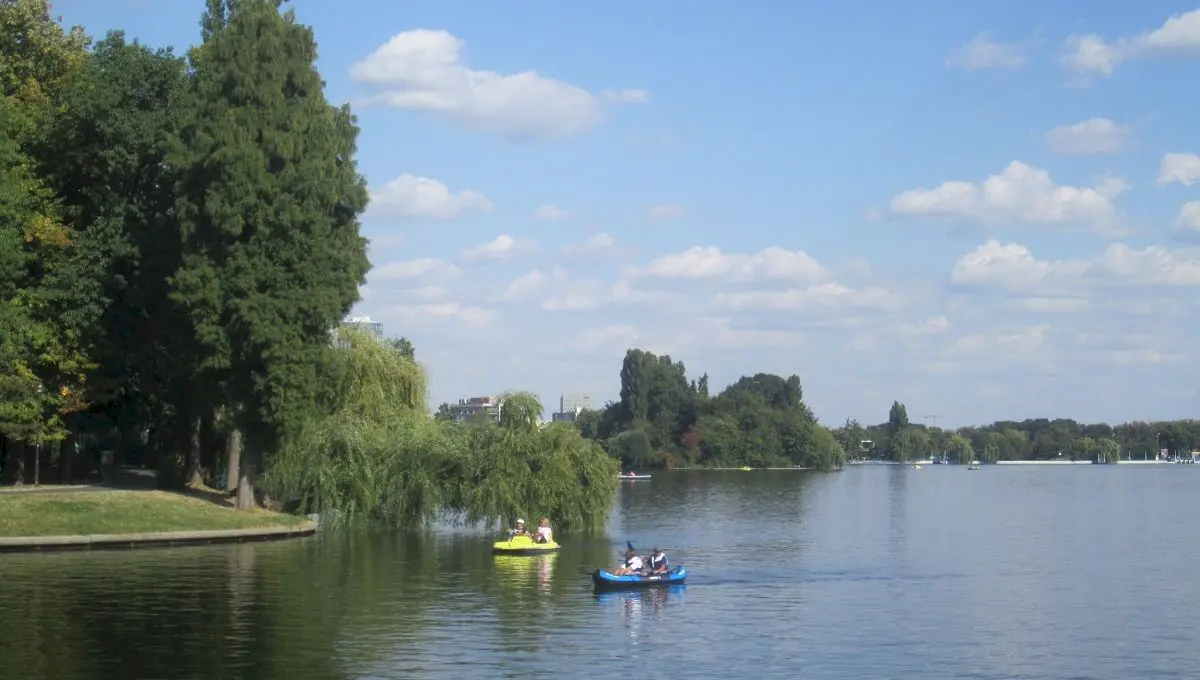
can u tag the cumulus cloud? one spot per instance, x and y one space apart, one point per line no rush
1179 36
500 248
596 244
1092 136
1020 193
527 285
467 315
1181 168
413 197
983 53
424 70
1188 220
664 212
588 295
823 296
709 262
551 213
1013 267
423 268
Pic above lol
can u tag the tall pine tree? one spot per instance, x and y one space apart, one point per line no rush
269 198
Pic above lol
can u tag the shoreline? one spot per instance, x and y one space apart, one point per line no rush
162 539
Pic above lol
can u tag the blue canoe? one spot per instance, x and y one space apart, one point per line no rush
604 580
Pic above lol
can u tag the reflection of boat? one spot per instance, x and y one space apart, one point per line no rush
523 545
603 580
655 597
632 475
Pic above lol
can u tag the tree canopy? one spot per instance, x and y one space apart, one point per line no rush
662 419
179 244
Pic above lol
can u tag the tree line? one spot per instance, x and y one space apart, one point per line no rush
179 242
898 439
664 420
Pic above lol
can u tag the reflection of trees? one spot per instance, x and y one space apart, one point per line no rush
184 613
339 606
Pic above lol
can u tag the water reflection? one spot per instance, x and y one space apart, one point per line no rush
642 610
862 574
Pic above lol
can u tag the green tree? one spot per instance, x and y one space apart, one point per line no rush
43 364
269 195
960 448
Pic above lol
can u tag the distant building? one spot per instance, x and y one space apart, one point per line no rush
473 407
569 407
571 403
364 322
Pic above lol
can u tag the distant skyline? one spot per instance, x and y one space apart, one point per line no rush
985 210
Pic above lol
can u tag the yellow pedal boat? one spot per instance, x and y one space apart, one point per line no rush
523 545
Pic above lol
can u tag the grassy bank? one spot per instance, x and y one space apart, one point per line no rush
124 512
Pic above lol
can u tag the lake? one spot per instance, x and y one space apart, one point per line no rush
873 572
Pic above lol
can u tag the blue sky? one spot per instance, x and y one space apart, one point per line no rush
986 210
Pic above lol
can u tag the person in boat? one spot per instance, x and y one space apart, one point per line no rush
544 533
633 565
518 530
658 562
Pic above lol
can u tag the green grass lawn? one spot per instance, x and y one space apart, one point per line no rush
124 512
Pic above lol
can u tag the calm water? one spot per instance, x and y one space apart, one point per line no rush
879 572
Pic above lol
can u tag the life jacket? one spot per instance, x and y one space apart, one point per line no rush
659 560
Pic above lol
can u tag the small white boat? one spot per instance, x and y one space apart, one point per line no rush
974 465
916 466
632 475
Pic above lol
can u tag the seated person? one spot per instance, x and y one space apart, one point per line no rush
658 562
544 533
518 530
633 565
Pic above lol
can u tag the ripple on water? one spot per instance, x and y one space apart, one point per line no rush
873 572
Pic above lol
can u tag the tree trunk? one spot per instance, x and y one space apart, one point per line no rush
233 457
194 478
245 488
17 455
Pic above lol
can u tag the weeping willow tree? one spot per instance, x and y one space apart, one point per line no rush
516 468
376 454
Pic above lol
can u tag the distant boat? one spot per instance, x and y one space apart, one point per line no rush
631 475
974 465
916 466
747 468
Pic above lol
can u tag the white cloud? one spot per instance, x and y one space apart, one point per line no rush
822 296
499 248
551 213
423 70
1188 221
982 53
1092 136
468 315
708 262
525 286
664 212
1179 36
596 244
410 197
934 325
423 268
589 295
1013 267
1183 168
1051 305
1019 193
